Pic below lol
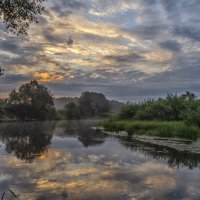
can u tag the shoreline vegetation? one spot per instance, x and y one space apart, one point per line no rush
176 116
166 129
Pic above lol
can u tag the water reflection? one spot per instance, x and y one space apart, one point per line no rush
31 140
27 140
71 159
84 131
175 158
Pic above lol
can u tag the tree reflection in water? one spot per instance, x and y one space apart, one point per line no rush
175 158
83 130
27 140
30 140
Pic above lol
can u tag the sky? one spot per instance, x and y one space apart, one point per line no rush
127 49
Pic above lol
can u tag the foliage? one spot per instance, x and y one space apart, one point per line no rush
93 104
153 128
3 103
35 101
173 116
18 14
72 111
31 101
128 111
173 107
193 117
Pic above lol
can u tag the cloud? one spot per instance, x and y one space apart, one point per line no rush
132 57
171 45
188 32
148 32
128 50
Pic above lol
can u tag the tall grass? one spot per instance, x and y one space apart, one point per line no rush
153 128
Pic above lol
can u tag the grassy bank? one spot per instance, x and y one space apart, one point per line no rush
152 128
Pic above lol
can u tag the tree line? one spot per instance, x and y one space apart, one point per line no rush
33 101
184 107
89 104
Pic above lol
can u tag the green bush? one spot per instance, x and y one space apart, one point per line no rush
128 111
174 107
192 117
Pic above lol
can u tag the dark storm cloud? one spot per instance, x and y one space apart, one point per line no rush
171 45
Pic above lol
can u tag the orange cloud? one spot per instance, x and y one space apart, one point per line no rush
48 76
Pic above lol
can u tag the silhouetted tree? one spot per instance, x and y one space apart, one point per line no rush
32 101
72 111
92 104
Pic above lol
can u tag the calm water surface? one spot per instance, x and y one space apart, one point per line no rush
69 160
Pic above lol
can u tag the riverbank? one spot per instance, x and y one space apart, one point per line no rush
166 129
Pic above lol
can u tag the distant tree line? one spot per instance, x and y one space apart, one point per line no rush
33 101
184 107
90 104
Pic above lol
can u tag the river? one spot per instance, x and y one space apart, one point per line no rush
69 160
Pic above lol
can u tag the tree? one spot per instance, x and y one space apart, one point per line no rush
18 14
177 105
72 111
32 101
3 103
92 104
128 111
189 96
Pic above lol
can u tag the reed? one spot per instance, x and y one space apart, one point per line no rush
152 128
